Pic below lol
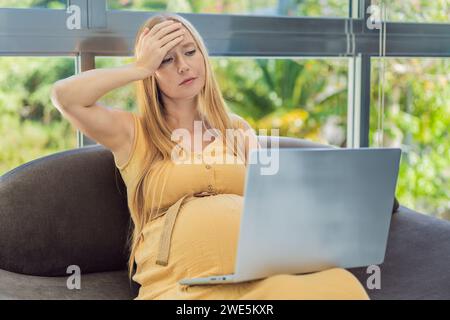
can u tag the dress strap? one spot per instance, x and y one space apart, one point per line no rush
171 215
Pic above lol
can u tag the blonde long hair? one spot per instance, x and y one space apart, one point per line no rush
211 107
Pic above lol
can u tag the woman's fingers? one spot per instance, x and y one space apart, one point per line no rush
160 30
171 36
167 30
157 27
169 45
141 36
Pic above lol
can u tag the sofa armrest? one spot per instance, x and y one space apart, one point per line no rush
417 261
64 209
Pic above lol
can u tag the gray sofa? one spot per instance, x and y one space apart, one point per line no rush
70 208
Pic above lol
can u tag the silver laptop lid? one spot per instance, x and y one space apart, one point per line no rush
321 208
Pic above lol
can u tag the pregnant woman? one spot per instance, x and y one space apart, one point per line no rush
185 214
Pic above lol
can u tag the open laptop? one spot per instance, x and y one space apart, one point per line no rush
323 208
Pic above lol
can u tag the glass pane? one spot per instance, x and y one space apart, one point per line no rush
329 8
437 11
50 4
304 98
417 118
30 126
123 97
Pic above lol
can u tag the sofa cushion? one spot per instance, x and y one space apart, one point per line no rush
417 261
113 285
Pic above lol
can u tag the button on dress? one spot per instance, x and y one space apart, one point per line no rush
195 234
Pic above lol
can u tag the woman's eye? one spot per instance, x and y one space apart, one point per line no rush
168 59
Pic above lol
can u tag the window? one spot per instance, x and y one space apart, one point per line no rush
30 126
305 98
437 11
416 118
123 97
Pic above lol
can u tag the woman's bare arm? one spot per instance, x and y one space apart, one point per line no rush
86 88
76 98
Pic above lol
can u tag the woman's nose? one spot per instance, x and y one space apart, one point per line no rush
183 68
182 64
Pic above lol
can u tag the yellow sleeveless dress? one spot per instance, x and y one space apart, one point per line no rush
197 237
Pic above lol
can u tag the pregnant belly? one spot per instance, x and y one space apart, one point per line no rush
205 235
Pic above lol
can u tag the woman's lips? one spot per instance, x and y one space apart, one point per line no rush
189 81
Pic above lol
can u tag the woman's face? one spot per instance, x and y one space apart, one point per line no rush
181 62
